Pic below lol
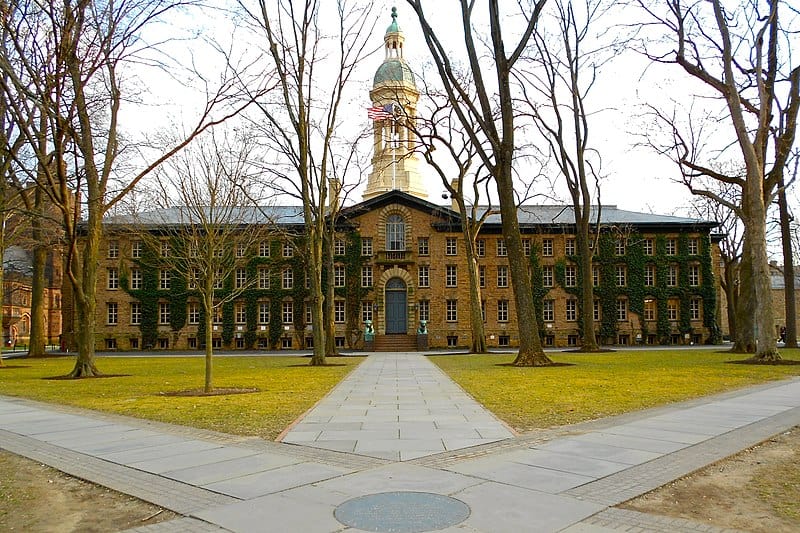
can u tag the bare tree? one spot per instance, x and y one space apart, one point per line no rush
489 121
557 81
741 56
313 52
784 221
65 83
211 227
448 150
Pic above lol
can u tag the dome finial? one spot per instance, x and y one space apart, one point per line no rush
393 27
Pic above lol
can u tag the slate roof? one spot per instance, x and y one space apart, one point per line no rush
530 216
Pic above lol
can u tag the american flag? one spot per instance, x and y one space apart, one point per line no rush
380 113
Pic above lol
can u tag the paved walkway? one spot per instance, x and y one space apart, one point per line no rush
397 407
559 480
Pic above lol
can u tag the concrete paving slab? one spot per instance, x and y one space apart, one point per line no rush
570 463
536 478
229 469
137 455
192 459
275 480
596 450
501 508
132 440
631 443
637 429
399 477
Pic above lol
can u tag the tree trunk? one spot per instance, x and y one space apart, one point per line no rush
746 307
589 337
85 289
208 303
530 345
36 344
330 323
731 289
475 312
317 296
788 269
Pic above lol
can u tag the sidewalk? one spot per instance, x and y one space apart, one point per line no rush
559 480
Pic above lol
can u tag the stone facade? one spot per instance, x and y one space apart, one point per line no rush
409 266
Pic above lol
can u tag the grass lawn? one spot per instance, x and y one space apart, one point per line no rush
601 385
288 387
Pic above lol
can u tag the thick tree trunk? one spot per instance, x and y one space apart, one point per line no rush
746 307
36 344
589 338
317 296
788 269
85 290
208 303
732 296
530 345
475 313
330 323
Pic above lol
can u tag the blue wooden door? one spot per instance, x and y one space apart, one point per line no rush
396 313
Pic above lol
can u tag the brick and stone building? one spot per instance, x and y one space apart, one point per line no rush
399 261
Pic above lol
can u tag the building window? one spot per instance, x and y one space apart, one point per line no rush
526 247
216 313
193 312
338 276
596 310
672 247
113 249
451 276
424 310
502 310
502 276
366 246
547 247
287 316
113 278
694 308
338 246
619 246
672 276
694 275
241 249
164 249
547 276
288 249
395 233
309 317
501 248
366 276
571 309
452 341
366 311
112 313
263 249
647 245
595 276
241 278
482 276
423 276
451 311
694 246
450 246
621 274
164 279
622 309
338 311
503 340
480 247
263 278
240 313
136 249
649 309
570 276
672 309
136 313
569 247
422 246
287 278
219 279
218 251
548 310
483 310
163 312
286 343
194 278
649 275
263 312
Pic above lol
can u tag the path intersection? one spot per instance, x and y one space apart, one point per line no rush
398 447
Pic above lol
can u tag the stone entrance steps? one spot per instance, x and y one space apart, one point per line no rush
395 343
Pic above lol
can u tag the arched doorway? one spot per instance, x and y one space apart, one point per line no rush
396 307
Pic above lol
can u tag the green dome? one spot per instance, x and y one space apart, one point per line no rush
394 70
393 27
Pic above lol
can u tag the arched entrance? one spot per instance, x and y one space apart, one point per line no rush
396 307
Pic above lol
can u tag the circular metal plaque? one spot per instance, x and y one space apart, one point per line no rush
402 512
